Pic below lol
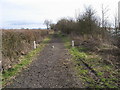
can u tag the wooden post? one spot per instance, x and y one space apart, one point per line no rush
72 43
34 44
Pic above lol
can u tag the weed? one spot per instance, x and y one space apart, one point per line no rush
95 62
25 61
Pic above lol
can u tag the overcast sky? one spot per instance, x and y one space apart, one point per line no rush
32 13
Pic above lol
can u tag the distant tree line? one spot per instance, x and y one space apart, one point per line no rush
86 23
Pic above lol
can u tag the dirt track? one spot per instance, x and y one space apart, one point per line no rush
52 69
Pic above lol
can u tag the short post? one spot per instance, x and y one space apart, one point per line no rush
72 43
34 44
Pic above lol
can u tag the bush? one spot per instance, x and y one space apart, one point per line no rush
86 23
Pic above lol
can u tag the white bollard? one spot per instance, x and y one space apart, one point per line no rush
52 46
72 43
34 44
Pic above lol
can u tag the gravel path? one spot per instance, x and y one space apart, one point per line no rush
52 69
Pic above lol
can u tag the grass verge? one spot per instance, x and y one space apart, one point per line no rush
7 75
91 69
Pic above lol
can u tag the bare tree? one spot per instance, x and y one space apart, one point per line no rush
104 16
47 23
116 23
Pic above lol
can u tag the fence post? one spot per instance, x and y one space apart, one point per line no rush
72 43
34 44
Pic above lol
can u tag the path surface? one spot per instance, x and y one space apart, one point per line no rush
52 69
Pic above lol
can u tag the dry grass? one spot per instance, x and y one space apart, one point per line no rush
18 42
